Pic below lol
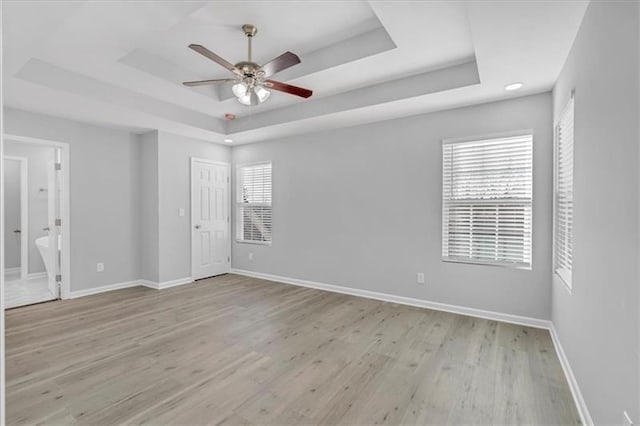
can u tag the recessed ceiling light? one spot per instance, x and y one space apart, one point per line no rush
228 140
513 86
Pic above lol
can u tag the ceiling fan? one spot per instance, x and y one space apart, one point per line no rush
252 80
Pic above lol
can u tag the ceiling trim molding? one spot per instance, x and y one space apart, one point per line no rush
440 80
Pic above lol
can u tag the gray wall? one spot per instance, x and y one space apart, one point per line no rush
103 194
361 207
149 214
174 165
12 208
126 191
39 160
598 322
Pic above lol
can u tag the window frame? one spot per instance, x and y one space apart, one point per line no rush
239 205
495 263
563 274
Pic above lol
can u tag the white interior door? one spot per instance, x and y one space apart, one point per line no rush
210 226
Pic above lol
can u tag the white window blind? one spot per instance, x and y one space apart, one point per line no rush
563 196
487 193
254 193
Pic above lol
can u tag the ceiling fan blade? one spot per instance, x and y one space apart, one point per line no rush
207 82
282 62
287 88
215 58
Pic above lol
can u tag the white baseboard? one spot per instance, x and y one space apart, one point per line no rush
571 379
89 291
36 275
166 284
117 286
385 297
12 270
151 284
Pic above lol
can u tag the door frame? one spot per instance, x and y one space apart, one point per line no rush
65 206
194 160
24 213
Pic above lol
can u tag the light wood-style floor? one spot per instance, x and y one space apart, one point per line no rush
236 350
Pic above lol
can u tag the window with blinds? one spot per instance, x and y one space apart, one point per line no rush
254 222
487 201
563 195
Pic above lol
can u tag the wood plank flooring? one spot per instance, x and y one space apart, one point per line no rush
237 350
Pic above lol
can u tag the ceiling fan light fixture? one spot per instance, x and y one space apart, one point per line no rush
239 89
258 92
245 99
263 94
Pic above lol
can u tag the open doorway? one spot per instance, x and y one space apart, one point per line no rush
34 197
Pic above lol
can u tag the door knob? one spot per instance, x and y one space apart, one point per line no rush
197 226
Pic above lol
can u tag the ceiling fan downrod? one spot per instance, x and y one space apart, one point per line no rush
249 31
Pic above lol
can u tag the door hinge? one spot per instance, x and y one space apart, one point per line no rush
58 166
227 179
228 259
58 278
58 222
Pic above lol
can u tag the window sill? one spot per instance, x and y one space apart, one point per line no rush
484 263
257 243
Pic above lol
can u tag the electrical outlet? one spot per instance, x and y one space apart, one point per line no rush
100 267
420 278
250 255
626 420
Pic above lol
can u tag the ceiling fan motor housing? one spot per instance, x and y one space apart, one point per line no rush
249 69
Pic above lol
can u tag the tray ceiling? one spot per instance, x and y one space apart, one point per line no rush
122 63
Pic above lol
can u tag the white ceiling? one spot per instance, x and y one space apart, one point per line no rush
121 63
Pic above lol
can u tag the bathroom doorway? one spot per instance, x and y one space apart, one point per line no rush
36 206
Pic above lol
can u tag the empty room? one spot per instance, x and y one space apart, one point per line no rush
320 212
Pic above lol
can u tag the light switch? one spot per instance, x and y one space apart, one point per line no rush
180 212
